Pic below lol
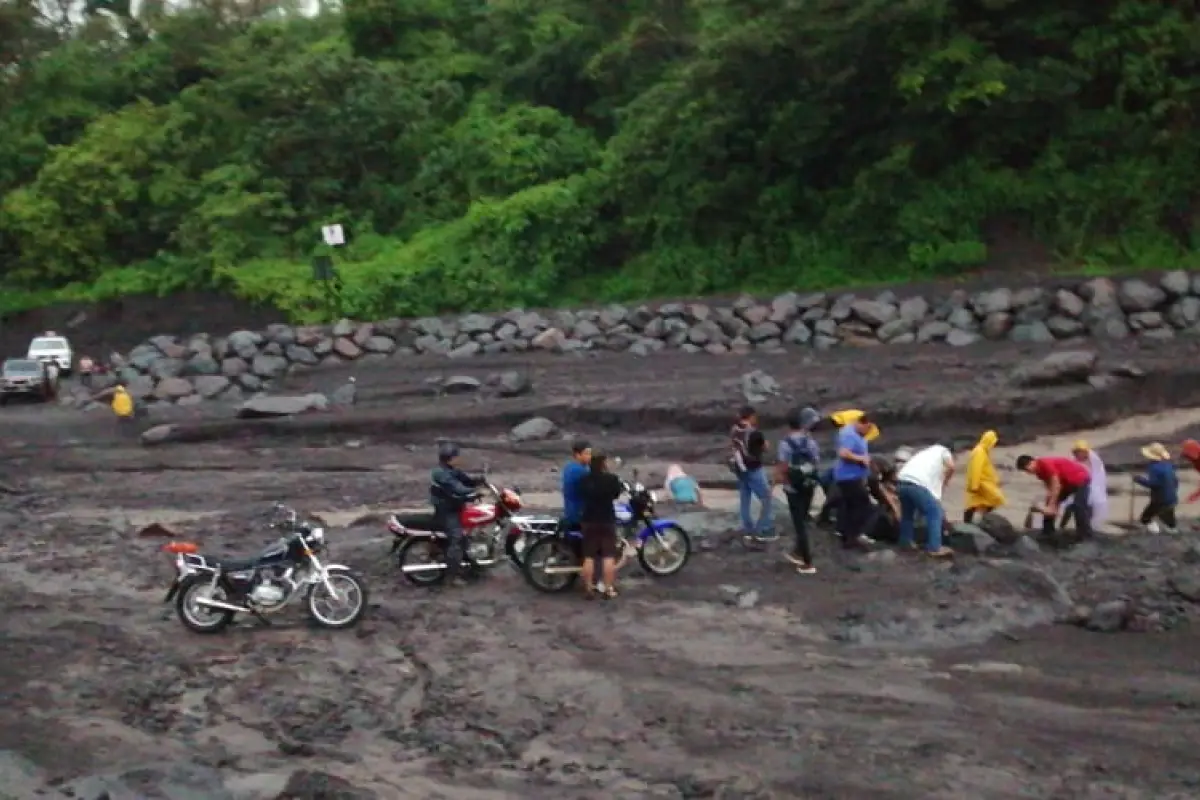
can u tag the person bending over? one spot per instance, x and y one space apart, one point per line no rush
850 475
1063 478
573 472
682 488
1163 483
796 469
883 488
599 489
449 490
922 483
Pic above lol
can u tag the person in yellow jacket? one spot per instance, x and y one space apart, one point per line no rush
122 403
983 484
840 419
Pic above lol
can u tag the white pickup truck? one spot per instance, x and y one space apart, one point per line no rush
54 349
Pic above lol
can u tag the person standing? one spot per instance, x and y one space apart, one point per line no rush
1163 483
598 490
797 471
850 474
1097 494
983 484
920 484
1063 478
746 462
573 473
839 419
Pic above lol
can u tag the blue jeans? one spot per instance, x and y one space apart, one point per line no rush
751 484
914 499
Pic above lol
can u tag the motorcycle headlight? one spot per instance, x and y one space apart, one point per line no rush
317 536
653 497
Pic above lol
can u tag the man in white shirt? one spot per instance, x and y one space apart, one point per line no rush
920 484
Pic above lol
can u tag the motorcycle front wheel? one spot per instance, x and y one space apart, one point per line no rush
666 551
342 611
198 618
422 559
550 552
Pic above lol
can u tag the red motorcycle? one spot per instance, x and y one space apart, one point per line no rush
494 533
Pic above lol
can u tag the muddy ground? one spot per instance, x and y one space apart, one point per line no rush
881 677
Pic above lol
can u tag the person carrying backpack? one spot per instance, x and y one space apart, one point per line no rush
797 470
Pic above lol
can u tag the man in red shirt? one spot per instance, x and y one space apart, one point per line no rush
1063 477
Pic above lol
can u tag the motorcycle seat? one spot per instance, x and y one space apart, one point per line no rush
421 521
237 564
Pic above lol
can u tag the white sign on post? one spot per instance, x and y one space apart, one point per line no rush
333 235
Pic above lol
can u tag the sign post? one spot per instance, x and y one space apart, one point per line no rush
325 272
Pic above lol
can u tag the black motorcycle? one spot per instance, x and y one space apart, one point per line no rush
209 591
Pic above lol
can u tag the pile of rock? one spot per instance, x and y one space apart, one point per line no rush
171 370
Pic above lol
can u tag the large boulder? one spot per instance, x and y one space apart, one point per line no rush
266 407
532 430
1056 369
999 528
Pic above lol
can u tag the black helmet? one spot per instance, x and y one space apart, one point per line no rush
447 451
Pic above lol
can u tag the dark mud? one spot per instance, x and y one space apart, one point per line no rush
883 676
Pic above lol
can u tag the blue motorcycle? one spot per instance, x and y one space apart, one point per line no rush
662 546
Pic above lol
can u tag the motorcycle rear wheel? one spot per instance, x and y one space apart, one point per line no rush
195 618
550 550
419 550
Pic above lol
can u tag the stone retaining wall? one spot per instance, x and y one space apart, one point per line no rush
172 370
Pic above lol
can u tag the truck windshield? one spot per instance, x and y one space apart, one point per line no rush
47 345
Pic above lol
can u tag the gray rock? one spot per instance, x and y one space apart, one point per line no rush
173 388
997 324
346 348
961 338
379 344
963 319
1110 326
1062 326
232 367
249 381
1109 617
1025 547
914 309
1099 292
298 354
465 350
1032 333
264 406
1145 320
313 785
999 528
996 301
898 327
282 335
552 339
1158 334
757 386
1185 313
140 387
244 344
461 384
873 312
167 368
1138 295
532 430
1176 283
473 324
343 328
798 333
1068 303
513 384
1070 366
209 386
970 539
933 331
268 367
346 394
201 364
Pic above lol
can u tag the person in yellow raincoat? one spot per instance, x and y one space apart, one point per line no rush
983 484
122 403
840 419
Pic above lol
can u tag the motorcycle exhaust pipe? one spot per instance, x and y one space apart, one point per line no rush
560 570
423 568
206 603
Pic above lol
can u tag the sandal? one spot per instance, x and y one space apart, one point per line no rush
941 552
609 593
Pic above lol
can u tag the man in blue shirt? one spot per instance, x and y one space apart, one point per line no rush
850 475
573 472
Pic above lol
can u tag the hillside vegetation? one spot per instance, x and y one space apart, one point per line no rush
485 153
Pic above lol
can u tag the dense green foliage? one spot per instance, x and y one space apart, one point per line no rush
494 152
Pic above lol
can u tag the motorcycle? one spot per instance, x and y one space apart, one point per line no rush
494 533
662 546
209 592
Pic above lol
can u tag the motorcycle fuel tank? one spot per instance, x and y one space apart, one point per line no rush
476 515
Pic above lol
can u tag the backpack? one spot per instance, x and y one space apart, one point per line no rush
802 469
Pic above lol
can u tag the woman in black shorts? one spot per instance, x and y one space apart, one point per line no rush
599 526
